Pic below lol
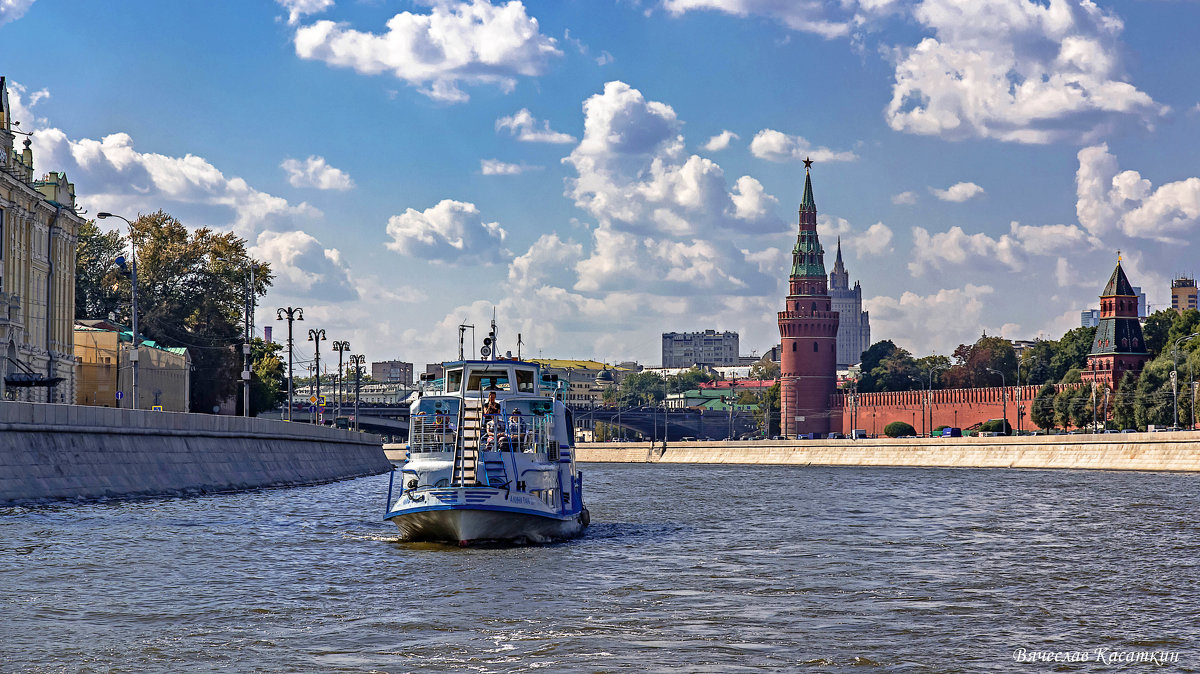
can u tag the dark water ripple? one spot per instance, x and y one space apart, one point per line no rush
694 568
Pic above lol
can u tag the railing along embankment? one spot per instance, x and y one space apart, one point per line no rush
1178 451
73 451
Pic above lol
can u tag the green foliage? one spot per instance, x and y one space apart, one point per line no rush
996 426
764 369
1125 402
1082 407
973 362
268 387
641 388
1156 330
898 429
766 410
686 380
1072 351
186 297
98 282
1036 367
1041 410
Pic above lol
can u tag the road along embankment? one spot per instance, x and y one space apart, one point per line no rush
71 451
1113 451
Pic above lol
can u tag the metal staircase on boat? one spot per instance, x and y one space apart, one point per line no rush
466 456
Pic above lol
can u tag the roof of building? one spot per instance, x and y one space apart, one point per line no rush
808 203
124 334
1118 284
577 364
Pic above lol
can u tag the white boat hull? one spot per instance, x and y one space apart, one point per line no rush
467 525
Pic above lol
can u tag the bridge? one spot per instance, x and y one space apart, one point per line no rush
391 421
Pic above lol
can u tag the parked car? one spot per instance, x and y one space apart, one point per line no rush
857 434
836 436
950 432
1129 430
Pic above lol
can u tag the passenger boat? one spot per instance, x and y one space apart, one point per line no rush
490 458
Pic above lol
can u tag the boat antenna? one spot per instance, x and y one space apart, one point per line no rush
495 342
519 346
462 328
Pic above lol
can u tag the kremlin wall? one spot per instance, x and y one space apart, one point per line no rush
810 402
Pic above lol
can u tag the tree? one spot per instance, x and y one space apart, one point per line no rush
687 380
186 295
1072 352
1082 406
766 411
973 362
1125 402
1001 426
1156 329
898 429
641 388
1036 367
870 360
1041 410
765 369
268 388
97 278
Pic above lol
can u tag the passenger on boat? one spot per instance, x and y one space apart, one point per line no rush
516 426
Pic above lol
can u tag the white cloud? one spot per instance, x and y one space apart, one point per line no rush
112 175
314 172
304 267
495 167
807 16
905 198
298 9
667 219
958 192
720 141
527 129
777 146
467 42
451 232
11 10
1011 250
604 58
874 241
906 319
1124 201
1016 71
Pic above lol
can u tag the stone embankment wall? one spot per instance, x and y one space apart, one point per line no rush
1114 451
72 451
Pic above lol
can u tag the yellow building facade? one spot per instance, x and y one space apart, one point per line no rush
39 234
104 370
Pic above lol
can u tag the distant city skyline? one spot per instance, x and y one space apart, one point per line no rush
601 172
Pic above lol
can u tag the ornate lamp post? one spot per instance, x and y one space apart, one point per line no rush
341 346
929 399
133 353
316 336
356 362
249 331
1003 397
293 314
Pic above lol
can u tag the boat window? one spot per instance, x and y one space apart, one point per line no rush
488 380
453 381
525 381
438 406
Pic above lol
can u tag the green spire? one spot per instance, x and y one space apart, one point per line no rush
808 204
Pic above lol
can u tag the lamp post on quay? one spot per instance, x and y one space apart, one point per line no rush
341 346
316 336
929 399
1003 397
293 314
133 352
356 362
249 330
1174 371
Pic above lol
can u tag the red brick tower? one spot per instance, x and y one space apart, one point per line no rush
808 332
1119 346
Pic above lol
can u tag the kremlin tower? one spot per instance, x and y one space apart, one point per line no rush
808 332
1119 346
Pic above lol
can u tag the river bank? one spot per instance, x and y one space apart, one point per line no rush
1178 451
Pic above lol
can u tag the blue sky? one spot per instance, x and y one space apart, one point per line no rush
601 171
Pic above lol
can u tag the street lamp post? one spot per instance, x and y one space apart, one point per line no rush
929 400
246 345
1003 397
341 346
133 353
293 314
356 362
1174 373
316 336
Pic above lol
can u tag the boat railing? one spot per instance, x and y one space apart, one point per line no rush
433 432
518 434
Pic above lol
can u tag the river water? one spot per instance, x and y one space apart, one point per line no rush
692 568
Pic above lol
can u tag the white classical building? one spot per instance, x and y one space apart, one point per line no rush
39 234
854 324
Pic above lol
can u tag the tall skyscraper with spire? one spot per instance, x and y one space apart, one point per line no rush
854 324
808 328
